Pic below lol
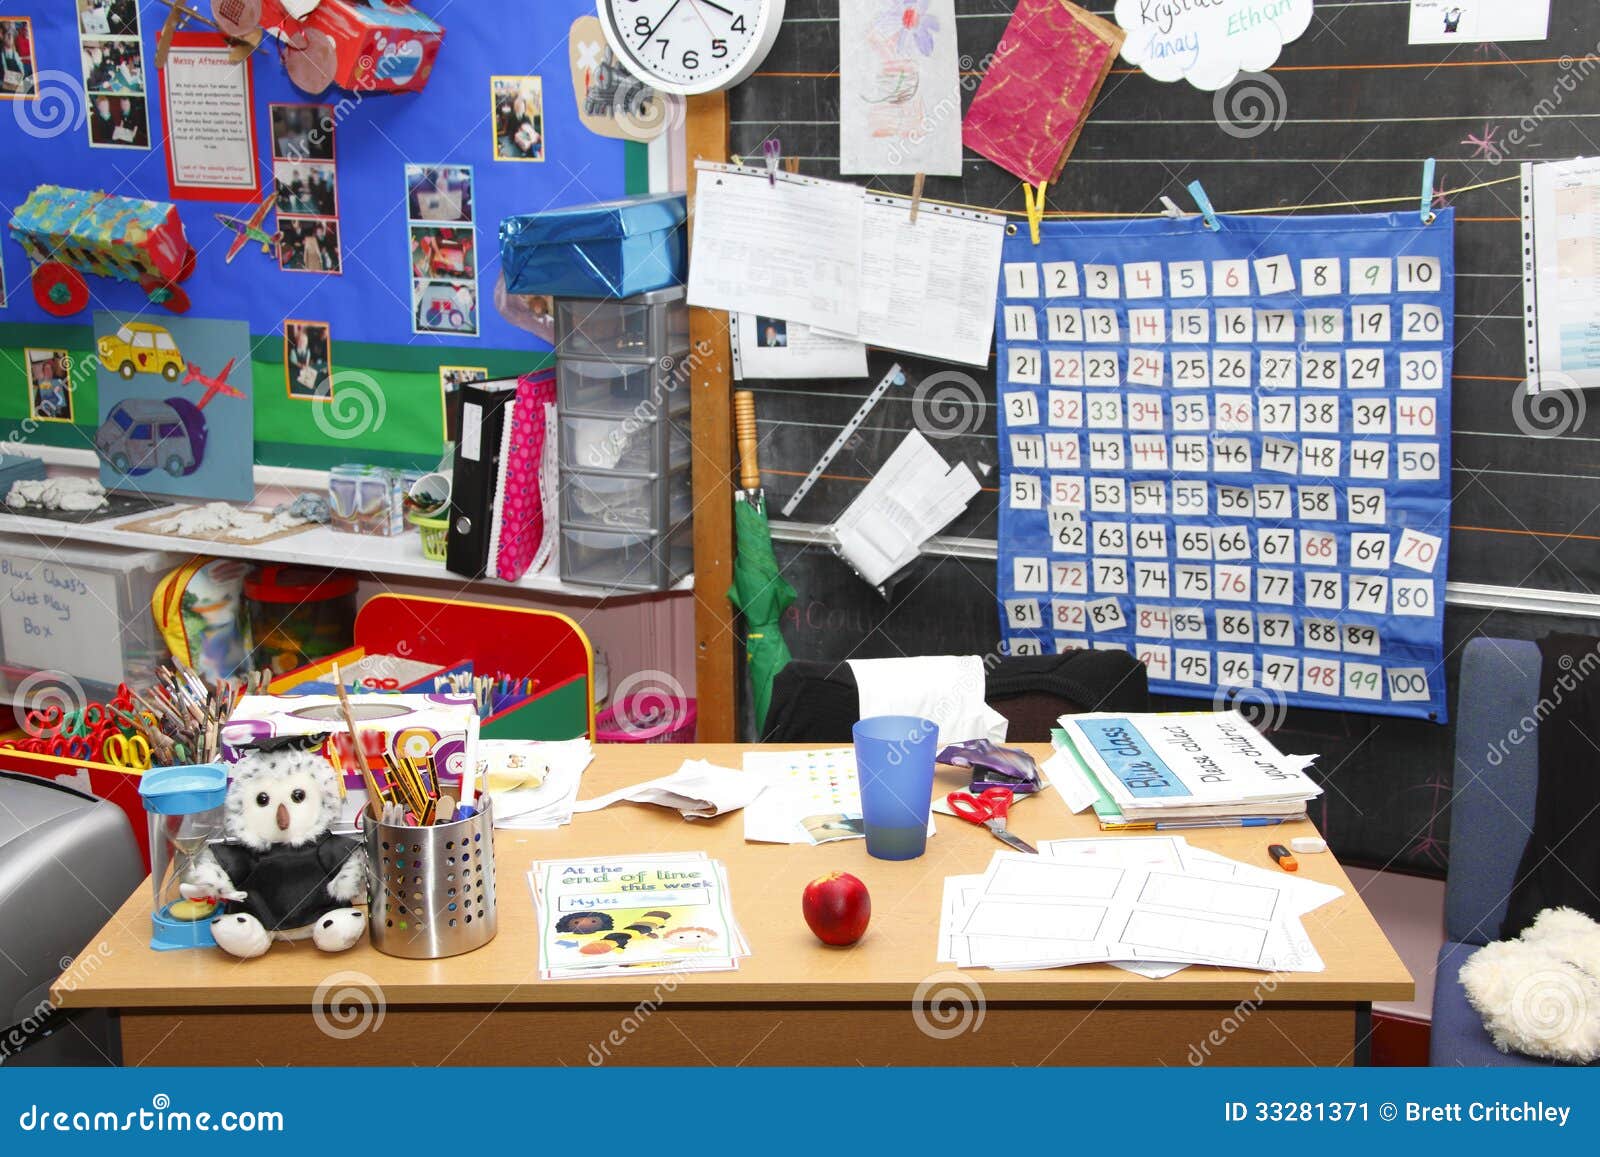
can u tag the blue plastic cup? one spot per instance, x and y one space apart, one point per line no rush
894 762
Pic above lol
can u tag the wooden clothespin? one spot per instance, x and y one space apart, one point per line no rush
917 183
1033 199
1198 192
1427 214
791 164
772 149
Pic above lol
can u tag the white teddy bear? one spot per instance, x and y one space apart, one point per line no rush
283 873
1540 993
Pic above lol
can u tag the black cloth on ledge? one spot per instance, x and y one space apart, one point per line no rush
818 702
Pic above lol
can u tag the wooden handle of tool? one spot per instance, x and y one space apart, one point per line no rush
744 424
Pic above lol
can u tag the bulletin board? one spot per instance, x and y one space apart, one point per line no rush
1348 113
391 408
1227 452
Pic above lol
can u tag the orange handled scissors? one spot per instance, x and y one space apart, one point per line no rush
989 809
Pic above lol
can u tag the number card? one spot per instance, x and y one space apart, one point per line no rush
1230 455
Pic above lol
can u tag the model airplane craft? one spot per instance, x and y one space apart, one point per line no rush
249 229
214 386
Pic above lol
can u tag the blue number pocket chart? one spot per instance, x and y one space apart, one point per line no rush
1227 452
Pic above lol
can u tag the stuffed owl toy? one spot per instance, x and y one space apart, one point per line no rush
282 873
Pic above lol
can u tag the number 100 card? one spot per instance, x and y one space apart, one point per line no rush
1228 452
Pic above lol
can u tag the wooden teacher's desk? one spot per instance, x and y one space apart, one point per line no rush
794 1001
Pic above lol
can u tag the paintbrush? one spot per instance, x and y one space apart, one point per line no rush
374 796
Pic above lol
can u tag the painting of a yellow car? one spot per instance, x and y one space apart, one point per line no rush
141 348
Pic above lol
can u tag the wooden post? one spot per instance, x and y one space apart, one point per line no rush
711 378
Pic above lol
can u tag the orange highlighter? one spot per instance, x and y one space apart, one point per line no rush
1284 858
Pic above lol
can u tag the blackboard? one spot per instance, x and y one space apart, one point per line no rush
1351 113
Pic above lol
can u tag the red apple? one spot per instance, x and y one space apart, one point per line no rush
837 908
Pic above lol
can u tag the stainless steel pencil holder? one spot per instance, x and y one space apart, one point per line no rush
432 888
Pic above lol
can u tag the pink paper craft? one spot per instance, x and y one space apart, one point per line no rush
1036 95
522 500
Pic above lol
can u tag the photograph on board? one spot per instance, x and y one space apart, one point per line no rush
108 17
49 385
308 245
451 379
774 332
302 132
118 122
18 73
443 251
439 193
305 188
449 307
113 66
307 350
518 110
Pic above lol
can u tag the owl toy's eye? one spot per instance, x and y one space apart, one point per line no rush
262 799
298 795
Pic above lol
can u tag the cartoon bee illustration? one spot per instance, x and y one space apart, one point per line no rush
588 922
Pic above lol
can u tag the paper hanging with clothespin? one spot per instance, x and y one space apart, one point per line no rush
1039 88
843 260
899 89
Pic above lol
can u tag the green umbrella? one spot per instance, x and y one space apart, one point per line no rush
759 592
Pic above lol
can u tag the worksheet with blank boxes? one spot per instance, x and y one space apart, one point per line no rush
1227 452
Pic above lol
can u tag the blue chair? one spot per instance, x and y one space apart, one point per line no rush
1491 816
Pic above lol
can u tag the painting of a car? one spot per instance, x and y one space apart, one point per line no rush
140 347
145 434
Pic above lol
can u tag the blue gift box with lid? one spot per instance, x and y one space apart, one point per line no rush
611 249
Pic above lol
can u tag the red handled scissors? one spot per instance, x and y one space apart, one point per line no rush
45 724
989 809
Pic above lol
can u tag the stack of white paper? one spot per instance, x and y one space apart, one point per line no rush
913 497
621 915
1151 906
533 785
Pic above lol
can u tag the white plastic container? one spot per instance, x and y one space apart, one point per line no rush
80 611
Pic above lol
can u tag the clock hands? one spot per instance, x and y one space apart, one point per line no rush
671 8
718 7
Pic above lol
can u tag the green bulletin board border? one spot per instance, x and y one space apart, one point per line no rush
410 432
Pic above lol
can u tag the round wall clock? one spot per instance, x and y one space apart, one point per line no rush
691 46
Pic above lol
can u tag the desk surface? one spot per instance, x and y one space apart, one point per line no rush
787 966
